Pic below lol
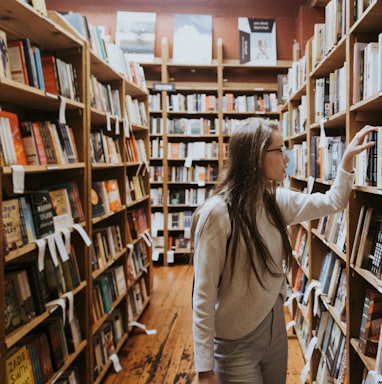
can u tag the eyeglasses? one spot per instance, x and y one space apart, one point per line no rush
282 150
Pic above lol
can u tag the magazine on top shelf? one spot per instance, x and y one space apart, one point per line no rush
135 35
192 42
257 41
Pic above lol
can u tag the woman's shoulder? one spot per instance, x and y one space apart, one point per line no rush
214 211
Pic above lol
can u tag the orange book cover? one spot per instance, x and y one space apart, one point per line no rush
50 74
39 144
114 198
17 62
21 158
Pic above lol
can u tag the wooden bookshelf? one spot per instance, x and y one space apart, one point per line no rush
213 80
346 122
55 37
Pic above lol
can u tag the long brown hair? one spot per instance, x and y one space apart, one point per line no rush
246 190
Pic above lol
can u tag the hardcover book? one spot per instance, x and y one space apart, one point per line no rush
135 35
19 369
12 223
257 41
192 43
5 69
42 212
12 310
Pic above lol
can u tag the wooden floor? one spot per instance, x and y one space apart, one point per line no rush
167 356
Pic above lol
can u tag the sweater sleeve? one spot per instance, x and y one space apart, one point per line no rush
211 230
298 206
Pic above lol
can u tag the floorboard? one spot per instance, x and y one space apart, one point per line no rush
167 356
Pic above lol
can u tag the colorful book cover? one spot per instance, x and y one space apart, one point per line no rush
42 213
257 41
192 42
19 369
12 223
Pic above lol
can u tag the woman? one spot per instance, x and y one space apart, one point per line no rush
242 251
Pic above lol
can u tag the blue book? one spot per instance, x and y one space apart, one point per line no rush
38 65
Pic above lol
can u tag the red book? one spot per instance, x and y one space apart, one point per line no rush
39 144
49 70
17 61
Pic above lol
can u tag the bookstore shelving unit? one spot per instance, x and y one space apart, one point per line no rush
216 97
32 104
334 270
109 240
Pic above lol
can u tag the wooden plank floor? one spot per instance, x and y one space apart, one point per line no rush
167 357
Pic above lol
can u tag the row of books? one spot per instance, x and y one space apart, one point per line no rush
137 222
191 103
179 220
105 197
155 102
329 97
25 64
35 142
106 244
192 150
327 35
298 160
188 196
333 363
39 214
301 247
135 149
137 298
197 127
266 102
44 352
194 174
30 288
105 98
106 340
156 173
135 188
367 247
333 229
156 125
106 50
299 117
289 84
135 111
367 80
104 148
106 289
156 148
137 261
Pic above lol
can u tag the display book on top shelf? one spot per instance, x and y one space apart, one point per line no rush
343 118
46 267
189 116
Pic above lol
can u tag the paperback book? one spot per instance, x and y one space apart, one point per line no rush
257 41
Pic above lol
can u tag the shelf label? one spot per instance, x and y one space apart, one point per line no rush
164 87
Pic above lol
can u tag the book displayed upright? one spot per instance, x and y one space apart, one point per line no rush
257 41
135 35
192 41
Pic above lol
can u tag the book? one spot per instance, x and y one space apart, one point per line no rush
96 199
257 41
17 62
62 217
39 143
12 223
5 68
42 212
113 195
12 315
135 35
192 39
29 231
15 139
49 71
23 293
29 144
370 322
19 369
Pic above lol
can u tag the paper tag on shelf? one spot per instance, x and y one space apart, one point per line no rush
69 296
84 235
142 326
52 249
116 128
41 245
170 256
18 178
291 324
61 116
108 122
294 295
61 247
115 360
373 378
